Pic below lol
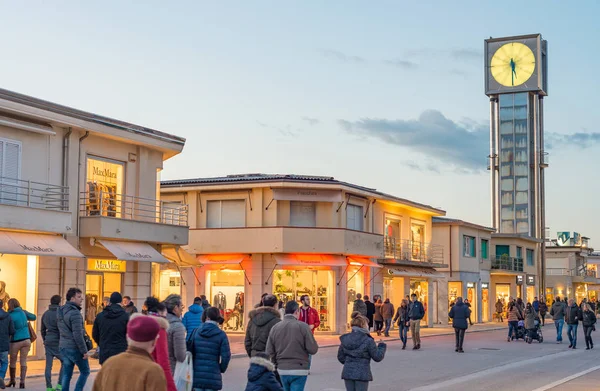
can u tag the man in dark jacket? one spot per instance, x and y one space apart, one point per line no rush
370 311
73 349
205 303
459 314
573 316
7 330
359 305
416 312
262 320
110 329
193 318
130 308
51 337
557 311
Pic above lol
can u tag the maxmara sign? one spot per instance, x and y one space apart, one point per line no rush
315 195
106 265
104 172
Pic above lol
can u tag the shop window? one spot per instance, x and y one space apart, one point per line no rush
356 284
420 288
354 217
417 232
104 188
503 293
454 291
468 246
484 248
10 171
169 283
227 291
226 214
303 214
529 257
102 279
519 252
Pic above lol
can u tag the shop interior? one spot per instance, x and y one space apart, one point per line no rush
420 288
356 284
104 185
227 291
472 297
98 288
454 291
169 283
393 289
485 303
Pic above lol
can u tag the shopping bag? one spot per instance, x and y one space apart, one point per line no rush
184 373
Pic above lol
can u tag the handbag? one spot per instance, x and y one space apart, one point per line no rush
184 373
32 334
88 341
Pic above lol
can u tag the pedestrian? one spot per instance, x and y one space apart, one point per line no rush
210 348
261 321
592 304
7 331
21 341
512 317
416 312
281 309
370 311
160 354
530 316
260 304
290 345
466 303
403 322
51 338
176 330
543 311
134 369
205 303
520 304
309 315
377 318
583 302
261 374
572 316
536 304
387 313
459 315
128 305
193 318
110 329
589 322
359 305
499 310
73 348
557 311
356 351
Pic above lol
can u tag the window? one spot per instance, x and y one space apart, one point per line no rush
469 246
104 189
484 248
529 257
354 217
226 214
303 214
10 171
519 252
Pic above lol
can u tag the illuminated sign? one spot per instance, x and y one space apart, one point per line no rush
484 285
530 279
105 265
519 280
470 284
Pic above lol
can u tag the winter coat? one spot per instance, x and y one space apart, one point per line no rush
536 305
211 356
70 326
530 316
360 307
160 354
205 304
262 320
20 318
50 333
543 308
176 340
416 311
261 376
573 314
110 331
377 315
356 351
7 330
589 318
499 306
130 308
460 313
401 316
387 310
370 312
193 318
310 316
558 310
289 344
133 370
513 314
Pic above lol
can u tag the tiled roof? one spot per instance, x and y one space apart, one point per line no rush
447 220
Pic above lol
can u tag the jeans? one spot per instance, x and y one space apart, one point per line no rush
512 328
459 335
72 357
293 383
388 324
572 333
52 352
356 385
3 364
378 325
403 332
559 326
587 331
415 331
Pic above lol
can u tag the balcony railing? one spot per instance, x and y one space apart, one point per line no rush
552 271
33 194
507 263
590 273
122 206
408 250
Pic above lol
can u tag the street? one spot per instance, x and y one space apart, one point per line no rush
489 363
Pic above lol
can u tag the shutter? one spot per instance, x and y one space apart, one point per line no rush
233 213
213 214
303 214
354 218
10 169
1 160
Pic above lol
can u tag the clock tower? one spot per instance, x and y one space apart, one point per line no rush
516 83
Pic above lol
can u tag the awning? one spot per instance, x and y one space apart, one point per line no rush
36 244
405 271
309 260
133 251
179 256
302 194
357 261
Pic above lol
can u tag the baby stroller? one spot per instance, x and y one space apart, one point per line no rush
520 332
537 334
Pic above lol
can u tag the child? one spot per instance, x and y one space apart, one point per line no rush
261 376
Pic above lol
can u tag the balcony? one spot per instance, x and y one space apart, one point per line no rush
118 216
34 206
557 272
506 263
407 251
268 240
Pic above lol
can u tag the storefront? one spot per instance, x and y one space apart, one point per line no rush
472 297
503 293
531 291
485 302
105 181
169 279
454 291
103 277
581 292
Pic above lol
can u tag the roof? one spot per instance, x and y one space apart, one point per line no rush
293 178
448 221
85 116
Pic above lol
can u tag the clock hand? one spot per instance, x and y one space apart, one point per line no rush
514 72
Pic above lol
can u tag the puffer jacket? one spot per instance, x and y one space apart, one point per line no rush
377 315
530 316
50 333
193 318
356 351
573 314
20 318
110 331
70 326
513 314
460 313
360 307
176 340
261 376
589 318
160 354
211 356
558 310
262 320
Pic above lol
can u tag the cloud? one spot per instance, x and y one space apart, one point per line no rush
428 166
286 131
337 55
466 54
403 64
311 121
578 139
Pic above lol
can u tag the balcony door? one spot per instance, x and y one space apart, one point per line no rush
502 250
392 237
104 186
10 171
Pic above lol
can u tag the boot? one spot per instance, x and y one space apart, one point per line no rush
587 343
23 376
13 374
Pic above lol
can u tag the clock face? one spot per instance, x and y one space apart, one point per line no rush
512 64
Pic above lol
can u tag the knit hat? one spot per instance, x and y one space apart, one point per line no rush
142 328
116 298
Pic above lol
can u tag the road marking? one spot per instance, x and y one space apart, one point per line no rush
491 371
567 379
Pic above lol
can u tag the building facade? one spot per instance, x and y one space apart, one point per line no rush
80 206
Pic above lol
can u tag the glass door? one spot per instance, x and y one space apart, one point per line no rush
93 299
485 305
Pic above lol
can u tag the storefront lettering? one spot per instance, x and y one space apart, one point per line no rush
107 265
37 248
106 172
139 255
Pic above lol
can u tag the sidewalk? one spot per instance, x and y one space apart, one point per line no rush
35 368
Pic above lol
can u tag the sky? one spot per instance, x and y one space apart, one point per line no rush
388 95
